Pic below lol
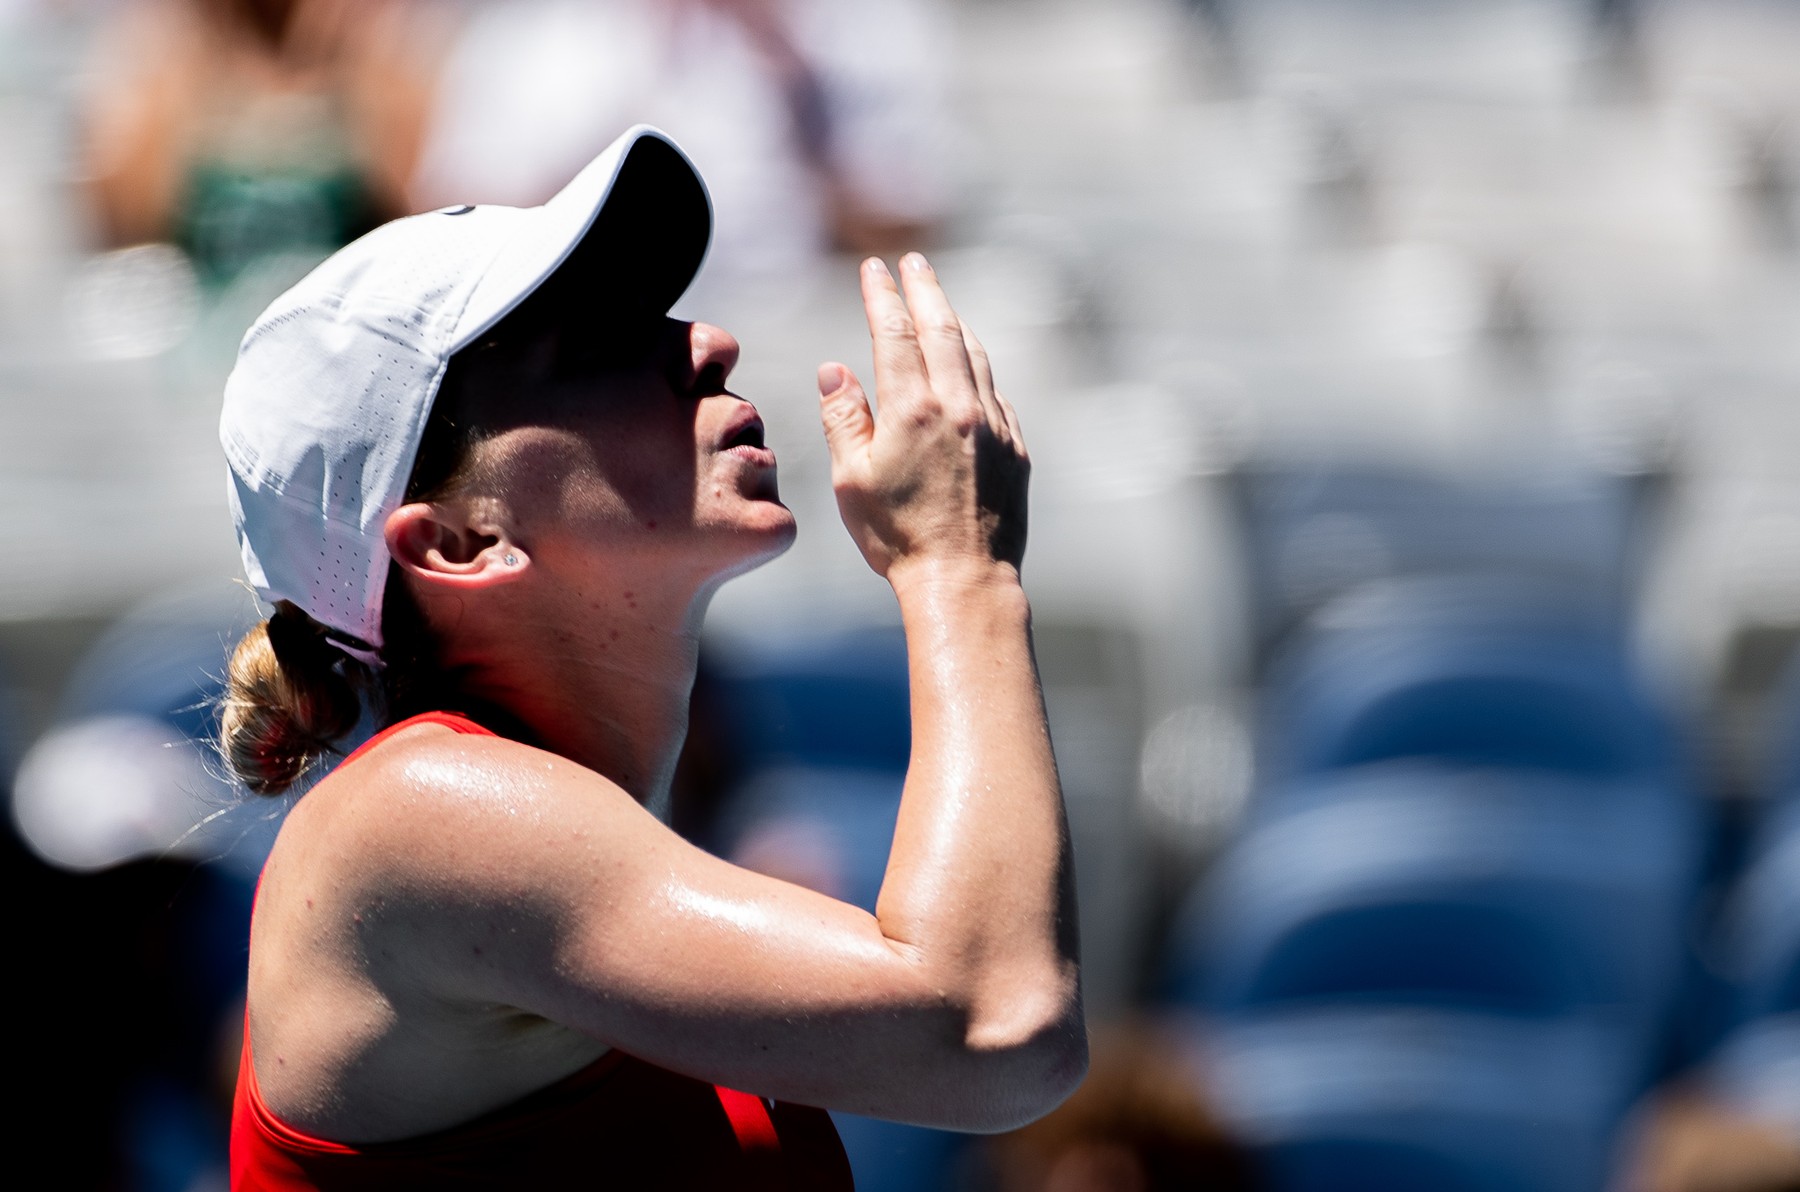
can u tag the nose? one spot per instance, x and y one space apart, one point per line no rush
712 352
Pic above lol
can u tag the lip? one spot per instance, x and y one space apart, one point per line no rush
762 457
745 421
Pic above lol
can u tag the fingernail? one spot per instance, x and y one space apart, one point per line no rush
876 267
917 262
831 379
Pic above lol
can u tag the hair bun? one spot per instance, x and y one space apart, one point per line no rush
290 697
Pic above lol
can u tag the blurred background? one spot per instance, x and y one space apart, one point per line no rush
1414 391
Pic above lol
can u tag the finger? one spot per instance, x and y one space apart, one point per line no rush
984 382
1012 424
940 332
899 366
844 413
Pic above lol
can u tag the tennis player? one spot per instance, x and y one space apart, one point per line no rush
489 487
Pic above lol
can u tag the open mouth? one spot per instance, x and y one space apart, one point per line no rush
748 435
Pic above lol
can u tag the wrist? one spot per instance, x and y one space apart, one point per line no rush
928 576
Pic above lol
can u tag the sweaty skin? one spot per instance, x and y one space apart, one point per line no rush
456 921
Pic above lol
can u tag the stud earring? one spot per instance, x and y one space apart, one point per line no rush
512 560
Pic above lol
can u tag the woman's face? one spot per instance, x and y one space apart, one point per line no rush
637 463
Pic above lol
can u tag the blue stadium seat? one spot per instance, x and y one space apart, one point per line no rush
1482 671
821 728
1757 1068
1412 1100
162 664
1782 777
837 699
164 659
1761 943
1523 893
1314 532
850 810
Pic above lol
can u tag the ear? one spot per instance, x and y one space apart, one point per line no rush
442 545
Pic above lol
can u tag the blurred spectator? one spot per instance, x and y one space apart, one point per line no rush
241 129
816 122
1137 1124
1689 1143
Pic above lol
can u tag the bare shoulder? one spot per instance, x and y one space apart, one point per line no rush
443 817
399 894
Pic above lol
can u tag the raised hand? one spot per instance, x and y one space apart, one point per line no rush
941 474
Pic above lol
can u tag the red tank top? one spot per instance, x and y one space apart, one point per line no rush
618 1123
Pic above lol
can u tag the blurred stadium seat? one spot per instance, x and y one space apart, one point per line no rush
164 658
1315 531
1416 1100
129 768
1762 927
1756 1065
1473 815
1520 893
1781 772
834 699
1483 670
1756 1069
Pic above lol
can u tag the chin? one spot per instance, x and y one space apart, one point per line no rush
759 538
776 533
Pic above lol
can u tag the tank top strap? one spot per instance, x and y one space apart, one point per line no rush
450 720
749 1118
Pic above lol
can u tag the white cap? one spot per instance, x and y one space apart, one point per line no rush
333 386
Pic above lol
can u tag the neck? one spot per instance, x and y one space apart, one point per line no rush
608 689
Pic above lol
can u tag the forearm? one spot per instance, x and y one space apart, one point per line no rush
978 883
978 898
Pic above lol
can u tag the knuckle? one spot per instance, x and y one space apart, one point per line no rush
896 324
927 411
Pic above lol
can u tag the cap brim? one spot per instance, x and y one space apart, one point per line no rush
634 225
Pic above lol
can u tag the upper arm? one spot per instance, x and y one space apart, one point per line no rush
516 877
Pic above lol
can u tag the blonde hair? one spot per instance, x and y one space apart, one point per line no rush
290 697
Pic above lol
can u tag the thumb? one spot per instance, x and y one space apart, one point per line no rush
844 411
